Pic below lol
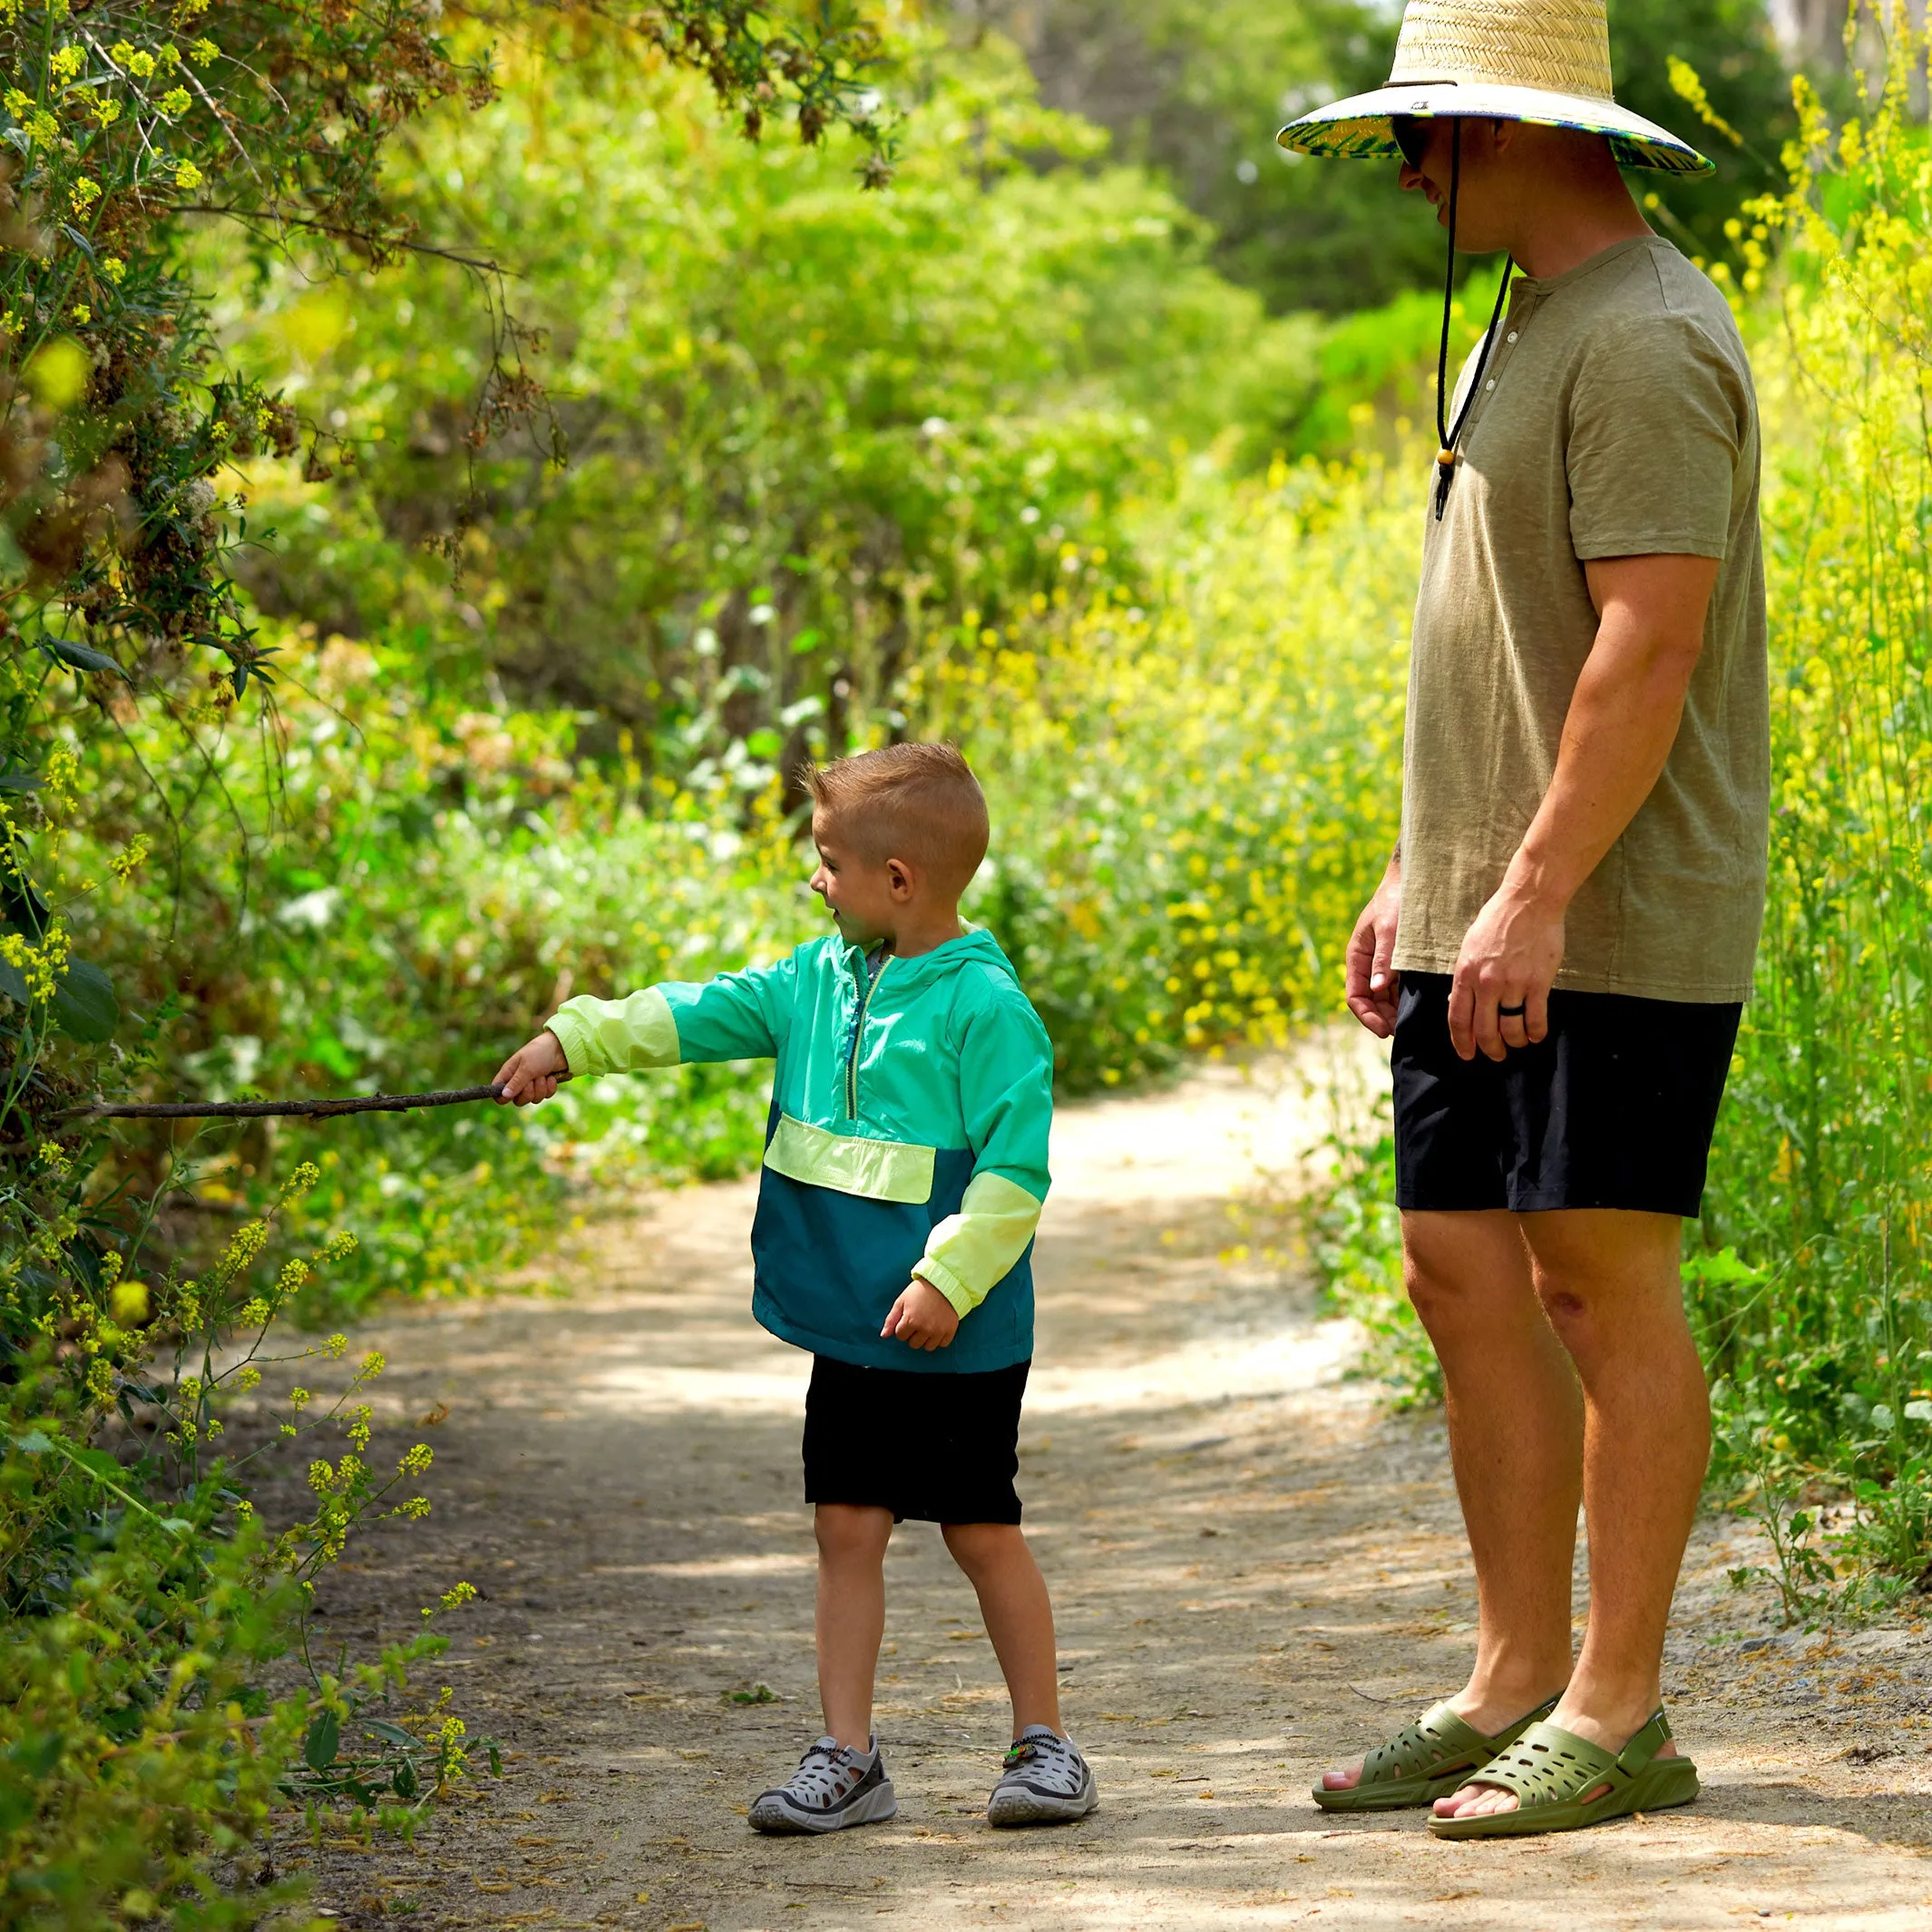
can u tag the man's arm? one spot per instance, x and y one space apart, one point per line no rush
1622 723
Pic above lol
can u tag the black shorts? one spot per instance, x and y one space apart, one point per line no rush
1614 1107
939 1449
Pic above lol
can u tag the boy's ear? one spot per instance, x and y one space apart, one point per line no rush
902 879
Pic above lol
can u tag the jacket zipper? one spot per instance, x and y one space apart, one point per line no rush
858 1028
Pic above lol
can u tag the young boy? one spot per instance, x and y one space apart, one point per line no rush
906 1164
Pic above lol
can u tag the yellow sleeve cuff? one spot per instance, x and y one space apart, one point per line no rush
928 1268
617 1036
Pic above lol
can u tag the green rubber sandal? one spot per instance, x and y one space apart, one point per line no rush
1423 1761
1549 1770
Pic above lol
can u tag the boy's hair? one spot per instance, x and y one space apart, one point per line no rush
916 802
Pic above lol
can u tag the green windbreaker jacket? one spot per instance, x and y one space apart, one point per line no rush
908 1135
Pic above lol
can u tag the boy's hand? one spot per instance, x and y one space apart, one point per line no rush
922 1318
532 1072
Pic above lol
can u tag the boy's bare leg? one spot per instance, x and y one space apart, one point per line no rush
1515 1430
1019 1615
1611 1286
851 1623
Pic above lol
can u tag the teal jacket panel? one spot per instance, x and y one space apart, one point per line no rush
910 1117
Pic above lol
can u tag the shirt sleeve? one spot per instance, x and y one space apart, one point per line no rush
739 1015
1006 1095
1659 417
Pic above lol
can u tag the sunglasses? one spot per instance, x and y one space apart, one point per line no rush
1412 136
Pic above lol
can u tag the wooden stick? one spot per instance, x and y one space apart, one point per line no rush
257 1110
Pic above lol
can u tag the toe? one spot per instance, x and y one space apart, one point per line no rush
1341 1781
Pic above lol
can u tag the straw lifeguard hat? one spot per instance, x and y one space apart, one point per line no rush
1542 61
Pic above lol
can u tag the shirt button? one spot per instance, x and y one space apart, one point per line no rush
1490 384
1511 336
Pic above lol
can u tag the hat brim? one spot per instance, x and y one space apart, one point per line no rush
1359 129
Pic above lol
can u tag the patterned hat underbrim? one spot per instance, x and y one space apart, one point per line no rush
1359 129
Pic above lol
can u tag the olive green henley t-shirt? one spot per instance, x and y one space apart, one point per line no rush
1616 418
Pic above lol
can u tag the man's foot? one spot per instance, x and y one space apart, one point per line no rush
1045 1780
834 1786
1478 1800
1491 1717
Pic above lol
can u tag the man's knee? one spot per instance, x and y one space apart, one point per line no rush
1591 1265
1457 1275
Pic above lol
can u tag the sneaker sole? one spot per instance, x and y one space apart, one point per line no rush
1012 1807
776 1819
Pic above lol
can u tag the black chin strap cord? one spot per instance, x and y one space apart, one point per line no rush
1447 439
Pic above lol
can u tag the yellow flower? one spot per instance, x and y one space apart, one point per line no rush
203 51
187 175
176 101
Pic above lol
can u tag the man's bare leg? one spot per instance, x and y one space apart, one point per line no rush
1611 1285
1515 1428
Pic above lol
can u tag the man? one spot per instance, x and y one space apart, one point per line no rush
1565 934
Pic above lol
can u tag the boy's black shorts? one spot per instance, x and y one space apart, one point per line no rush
1614 1107
937 1448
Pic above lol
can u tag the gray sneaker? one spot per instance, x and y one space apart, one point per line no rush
1044 1781
834 1786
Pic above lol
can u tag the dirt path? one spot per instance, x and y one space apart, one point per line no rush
1255 1572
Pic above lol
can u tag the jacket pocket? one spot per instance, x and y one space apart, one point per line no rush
875 1170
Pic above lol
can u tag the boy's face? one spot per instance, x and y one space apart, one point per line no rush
865 897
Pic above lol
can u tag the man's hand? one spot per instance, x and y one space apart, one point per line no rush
1371 983
532 1072
922 1318
1509 959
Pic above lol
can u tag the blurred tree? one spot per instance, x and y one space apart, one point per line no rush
1199 87
812 433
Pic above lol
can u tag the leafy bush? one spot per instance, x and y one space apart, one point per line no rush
1824 1167
809 431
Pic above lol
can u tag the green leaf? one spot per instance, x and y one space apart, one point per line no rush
324 1740
404 1779
84 1006
1883 1419
393 1733
1920 1412
80 656
36 1442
